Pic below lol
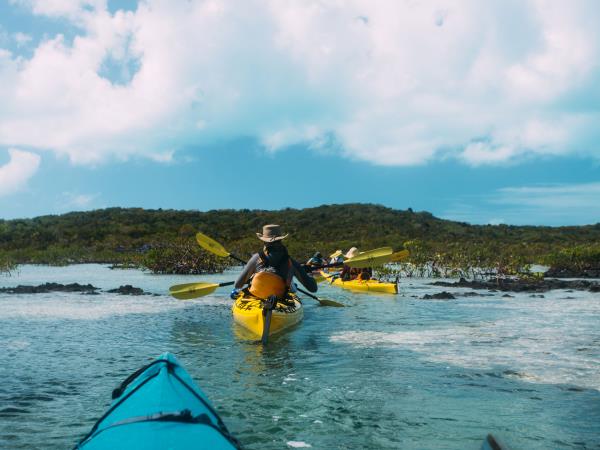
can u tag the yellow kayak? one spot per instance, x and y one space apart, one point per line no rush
363 286
248 312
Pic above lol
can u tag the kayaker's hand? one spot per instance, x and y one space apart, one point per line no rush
234 294
307 269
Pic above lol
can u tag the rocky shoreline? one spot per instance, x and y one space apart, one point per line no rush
522 285
85 289
573 273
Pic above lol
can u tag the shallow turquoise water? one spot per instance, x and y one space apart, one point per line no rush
385 372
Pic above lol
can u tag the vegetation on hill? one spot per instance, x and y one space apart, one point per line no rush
163 240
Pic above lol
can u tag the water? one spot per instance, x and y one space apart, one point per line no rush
386 372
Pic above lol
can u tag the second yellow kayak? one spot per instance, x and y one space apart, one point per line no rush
363 286
248 312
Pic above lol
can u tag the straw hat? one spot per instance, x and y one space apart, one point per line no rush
352 253
271 233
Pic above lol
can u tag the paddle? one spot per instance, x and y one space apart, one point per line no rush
370 258
268 312
188 291
365 259
400 256
322 301
213 246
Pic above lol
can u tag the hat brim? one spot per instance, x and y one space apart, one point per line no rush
271 239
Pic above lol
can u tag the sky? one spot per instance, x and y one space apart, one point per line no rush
482 112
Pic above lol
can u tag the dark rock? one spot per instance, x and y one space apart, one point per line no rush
523 285
439 296
589 272
127 290
51 287
508 296
471 294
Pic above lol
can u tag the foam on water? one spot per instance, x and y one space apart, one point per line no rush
550 340
298 444
86 307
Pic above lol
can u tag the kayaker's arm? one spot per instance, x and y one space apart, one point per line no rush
247 272
300 273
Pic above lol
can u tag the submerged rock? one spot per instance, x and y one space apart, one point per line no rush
444 295
127 290
474 294
51 287
86 289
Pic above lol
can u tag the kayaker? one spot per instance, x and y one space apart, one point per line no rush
336 257
316 260
270 271
366 273
349 273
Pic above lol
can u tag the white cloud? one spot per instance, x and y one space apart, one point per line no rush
72 9
22 38
395 83
72 200
20 168
162 157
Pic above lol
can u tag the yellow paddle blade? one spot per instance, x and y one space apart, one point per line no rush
371 258
211 245
192 290
327 302
400 256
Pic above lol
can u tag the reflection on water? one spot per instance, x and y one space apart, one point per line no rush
385 372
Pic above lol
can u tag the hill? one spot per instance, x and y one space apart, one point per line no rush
120 234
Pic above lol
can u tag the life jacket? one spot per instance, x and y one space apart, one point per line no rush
271 278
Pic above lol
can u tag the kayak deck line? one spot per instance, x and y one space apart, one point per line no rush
184 416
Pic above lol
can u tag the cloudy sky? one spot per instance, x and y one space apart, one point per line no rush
486 112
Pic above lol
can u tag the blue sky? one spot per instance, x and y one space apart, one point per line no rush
485 113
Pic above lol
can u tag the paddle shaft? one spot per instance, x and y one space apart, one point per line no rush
214 247
308 293
232 256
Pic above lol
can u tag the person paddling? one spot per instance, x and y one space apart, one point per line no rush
271 270
336 257
348 273
316 261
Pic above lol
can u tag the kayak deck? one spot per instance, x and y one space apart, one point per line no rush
362 285
248 312
158 407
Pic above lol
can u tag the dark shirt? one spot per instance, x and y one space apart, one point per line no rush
348 273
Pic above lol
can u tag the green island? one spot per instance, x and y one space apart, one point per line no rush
162 241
